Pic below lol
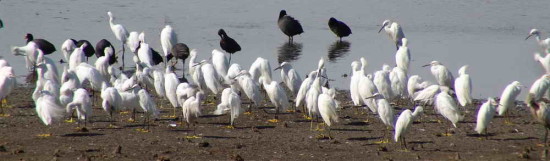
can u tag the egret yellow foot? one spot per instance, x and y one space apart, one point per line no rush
446 134
131 120
404 150
273 120
248 113
229 127
111 126
307 117
5 103
385 141
71 120
44 135
193 137
5 115
143 130
322 136
290 111
366 121
508 122
540 145
124 112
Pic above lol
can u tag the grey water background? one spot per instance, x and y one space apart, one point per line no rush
488 35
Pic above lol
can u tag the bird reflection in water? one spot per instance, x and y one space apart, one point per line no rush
289 52
337 50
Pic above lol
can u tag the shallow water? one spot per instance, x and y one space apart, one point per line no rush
487 35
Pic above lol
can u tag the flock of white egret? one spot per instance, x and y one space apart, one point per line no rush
57 96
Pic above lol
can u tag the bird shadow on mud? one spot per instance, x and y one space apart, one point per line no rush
363 138
219 137
81 134
366 130
357 123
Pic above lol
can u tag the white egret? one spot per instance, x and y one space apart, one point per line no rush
47 109
260 68
221 64
418 110
67 48
77 57
102 63
446 106
168 38
485 115
86 72
133 41
171 83
29 51
211 78
249 87
540 112
367 88
130 99
327 108
223 107
290 77
7 83
277 96
82 104
403 123
112 101
442 75
383 83
544 44
158 78
233 71
403 56
66 92
312 96
508 97
185 91
394 31
148 106
540 87
121 34
234 102
415 84
385 111
544 61
191 108
304 88
398 79
145 54
463 87
354 83
427 95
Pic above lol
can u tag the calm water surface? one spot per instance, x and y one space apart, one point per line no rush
487 35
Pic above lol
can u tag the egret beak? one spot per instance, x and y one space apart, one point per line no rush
381 28
371 97
426 65
528 36
277 68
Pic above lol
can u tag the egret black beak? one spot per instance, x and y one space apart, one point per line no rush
426 65
381 28
277 68
528 36
371 97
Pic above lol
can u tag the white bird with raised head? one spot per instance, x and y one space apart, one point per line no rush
463 87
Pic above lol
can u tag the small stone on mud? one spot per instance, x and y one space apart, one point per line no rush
239 146
18 151
163 158
3 148
203 144
56 153
118 150
237 158
382 148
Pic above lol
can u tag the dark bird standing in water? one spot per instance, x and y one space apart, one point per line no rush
339 28
1 24
228 44
289 26
44 45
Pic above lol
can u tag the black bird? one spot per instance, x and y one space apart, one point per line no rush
289 25
228 44
157 59
180 51
100 50
88 50
339 28
44 45
1 24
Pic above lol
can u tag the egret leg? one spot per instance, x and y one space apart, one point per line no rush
545 136
123 50
405 142
230 58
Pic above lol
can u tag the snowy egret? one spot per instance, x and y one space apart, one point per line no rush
168 39
544 61
221 64
427 95
148 106
191 108
77 57
223 106
415 84
133 41
339 28
544 44
394 31
88 49
442 75
463 87
540 112
67 48
508 97
289 26
29 52
403 123
211 78
447 107
540 87
66 91
171 83
385 111
277 96
112 101
353 86
47 109
234 102
158 78
327 110
249 87
383 83
312 96
403 56
304 88
102 63
82 104
121 34
485 115
228 44
7 83
398 80
260 68
290 77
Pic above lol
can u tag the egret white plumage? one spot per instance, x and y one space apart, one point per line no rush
133 41
442 75
403 123
67 48
463 87
446 106
211 78
145 55
403 56
394 31
171 83
508 97
415 84
356 74
70 84
277 96
29 51
485 115
221 64
312 96
544 61
82 104
86 72
234 102
102 63
540 112
7 83
383 83
47 108
191 108
77 57
398 79
148 106
260 68
385 111
540 87
327 109
249 87
290 77
121 34
223 107
112 101
168 38
158 78
427 95
544 44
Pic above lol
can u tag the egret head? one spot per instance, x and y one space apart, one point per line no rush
462 70
284 64
384 24
404 42
355 66
433 63
535 32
